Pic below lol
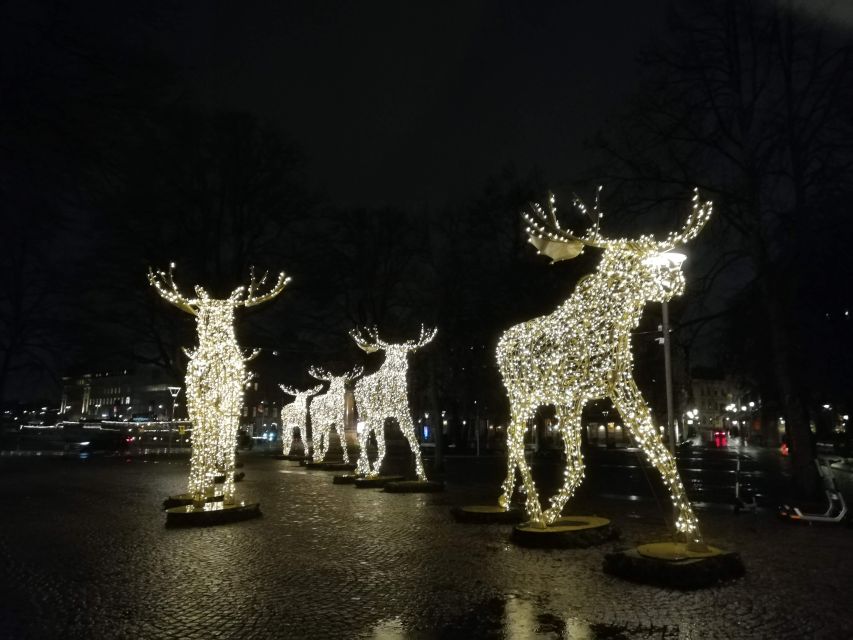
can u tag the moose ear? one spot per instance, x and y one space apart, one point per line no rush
557 250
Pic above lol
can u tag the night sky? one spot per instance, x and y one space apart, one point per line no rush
418 107
415 103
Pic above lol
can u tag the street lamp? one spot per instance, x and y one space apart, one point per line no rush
174 392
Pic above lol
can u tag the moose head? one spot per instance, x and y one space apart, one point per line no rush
319 373
651 267
208 309
368 340
303 395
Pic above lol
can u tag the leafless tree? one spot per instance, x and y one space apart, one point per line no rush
750 101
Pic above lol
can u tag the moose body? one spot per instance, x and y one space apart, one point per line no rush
329 410
295 416
384 395
216 377
582 352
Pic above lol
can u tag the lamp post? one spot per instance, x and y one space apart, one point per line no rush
667 364
174 392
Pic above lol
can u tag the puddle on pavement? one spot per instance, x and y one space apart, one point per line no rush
514 618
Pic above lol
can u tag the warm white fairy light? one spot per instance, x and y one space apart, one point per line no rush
216 377
329 410
295 416
384 394
582 352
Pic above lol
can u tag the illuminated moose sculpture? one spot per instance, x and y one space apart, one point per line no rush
329 410
582 352
216 377
295 416
384 394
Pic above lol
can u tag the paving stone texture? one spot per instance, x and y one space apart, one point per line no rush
84 553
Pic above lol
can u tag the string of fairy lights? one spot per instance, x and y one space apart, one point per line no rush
216 378
384 395
328 410
294 415
582 351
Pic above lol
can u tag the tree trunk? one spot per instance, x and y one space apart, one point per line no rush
800 446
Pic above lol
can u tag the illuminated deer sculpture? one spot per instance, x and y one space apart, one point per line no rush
329 410
216 378
384 394
582 352
295 416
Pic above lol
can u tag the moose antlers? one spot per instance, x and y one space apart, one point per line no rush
246 296
323 374
699 215
320 373
544 231
164 283
424 338
293 391
368 339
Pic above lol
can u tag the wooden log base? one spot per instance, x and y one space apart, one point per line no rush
346 478
338 466
375 482
183 499
414 486
568 532
487 514
673 565
211 514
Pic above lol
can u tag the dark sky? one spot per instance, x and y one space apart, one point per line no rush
416 103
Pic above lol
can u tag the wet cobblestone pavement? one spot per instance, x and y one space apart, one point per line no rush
85 554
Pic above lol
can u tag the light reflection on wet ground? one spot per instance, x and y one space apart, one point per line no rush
515 618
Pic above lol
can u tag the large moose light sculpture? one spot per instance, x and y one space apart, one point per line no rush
294 415
384 394
216 378
329 410
582 352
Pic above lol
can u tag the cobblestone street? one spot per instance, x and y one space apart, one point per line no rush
85 553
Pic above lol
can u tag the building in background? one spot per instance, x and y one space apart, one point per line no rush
718 405
137 393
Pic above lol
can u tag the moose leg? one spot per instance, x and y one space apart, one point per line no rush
515 448
320 438
317 441
570 429
286 440
408 430
227 445
363 465
631 406
509 482
323 444
198 482
342 436
379 434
